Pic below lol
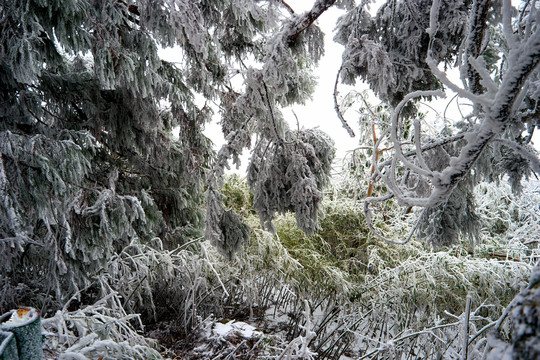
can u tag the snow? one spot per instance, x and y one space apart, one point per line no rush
72 356
21 316
235 327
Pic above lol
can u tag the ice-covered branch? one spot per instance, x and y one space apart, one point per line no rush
507 24
473 45
532 15
522 61
478 99
426 147
396 126
402 194
338 110
426 175
309 18
524 152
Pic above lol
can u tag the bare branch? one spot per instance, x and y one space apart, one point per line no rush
289 8
336 107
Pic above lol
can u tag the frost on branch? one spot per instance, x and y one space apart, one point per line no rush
288 176
224 228
397 41
367 59
524 312
487 144
287 169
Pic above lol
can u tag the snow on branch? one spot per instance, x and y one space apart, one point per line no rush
495 106
303 156
344 123
309 18
523 151
522 61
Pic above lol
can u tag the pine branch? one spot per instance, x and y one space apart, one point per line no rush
309 18
475 36
524 152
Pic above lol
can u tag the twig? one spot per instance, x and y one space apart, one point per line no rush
466 328
235 349
336 107
216 273
289 8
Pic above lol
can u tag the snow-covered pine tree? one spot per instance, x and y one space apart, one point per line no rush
496 48
88 160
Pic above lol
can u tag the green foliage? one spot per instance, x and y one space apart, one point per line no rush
236 195
344 267
87 160
344 257
289 176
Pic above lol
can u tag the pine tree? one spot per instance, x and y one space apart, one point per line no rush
89 159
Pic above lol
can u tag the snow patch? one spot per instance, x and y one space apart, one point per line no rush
21 316
236 328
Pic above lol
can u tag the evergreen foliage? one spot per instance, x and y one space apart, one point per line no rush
395 42
88 160
105 171
287 176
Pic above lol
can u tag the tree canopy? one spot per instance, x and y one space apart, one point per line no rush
101 139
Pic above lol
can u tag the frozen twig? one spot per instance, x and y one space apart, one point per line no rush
508 30
369 221
338 110
301 342
466 318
